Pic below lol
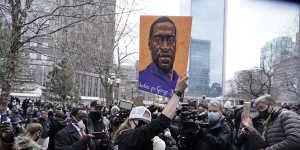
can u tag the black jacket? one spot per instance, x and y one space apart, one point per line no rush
97 125
55 125
215 137
245 142
140 138
69 139
45 126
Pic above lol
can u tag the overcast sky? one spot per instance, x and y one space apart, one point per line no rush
250 24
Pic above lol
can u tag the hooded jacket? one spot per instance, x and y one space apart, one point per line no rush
55 125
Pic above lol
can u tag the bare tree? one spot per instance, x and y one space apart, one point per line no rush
28 21
287 76
250 83
102 46
293 86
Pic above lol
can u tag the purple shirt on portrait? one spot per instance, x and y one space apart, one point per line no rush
155 81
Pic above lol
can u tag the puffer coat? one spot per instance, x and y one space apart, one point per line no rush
282 132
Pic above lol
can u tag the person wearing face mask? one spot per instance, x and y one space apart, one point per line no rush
139 132
33 132
244 141
281 127
218 135
95 123
95 118
74 136
228 113
56 123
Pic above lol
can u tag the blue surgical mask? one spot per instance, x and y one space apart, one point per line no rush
213 117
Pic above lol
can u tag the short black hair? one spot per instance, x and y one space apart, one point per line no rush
75 111
160 20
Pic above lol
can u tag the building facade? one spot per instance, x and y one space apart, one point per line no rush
277 50
280 56
287 80
209 19
48 51
199 67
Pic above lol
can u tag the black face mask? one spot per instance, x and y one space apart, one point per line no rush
37 138
264 114
140 123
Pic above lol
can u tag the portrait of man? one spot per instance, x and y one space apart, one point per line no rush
159 77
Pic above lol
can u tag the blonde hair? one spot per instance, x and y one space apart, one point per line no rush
123 127
115 109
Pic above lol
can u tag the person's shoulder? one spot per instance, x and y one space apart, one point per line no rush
123 136
64 130
145 71
224 123
145 74
285 114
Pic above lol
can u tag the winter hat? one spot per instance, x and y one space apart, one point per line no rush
228 105
138 113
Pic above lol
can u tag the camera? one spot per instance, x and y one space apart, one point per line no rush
119 118
188 124
98 135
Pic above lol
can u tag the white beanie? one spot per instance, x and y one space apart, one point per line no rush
228 105
158 143
138 113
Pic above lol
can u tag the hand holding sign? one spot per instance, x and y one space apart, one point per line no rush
247 121
181 84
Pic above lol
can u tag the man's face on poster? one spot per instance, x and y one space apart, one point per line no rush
163 45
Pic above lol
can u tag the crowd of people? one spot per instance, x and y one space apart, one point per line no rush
35 125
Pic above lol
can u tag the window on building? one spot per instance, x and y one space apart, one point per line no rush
96 87
83 85
45 44
33 44
33 55
77 78
90 85
101 91
43 75
32 71
44 57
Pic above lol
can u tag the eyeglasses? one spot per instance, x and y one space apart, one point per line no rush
159 39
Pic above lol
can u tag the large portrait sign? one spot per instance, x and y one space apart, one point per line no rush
164 50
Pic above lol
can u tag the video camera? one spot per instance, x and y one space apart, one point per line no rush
188 124
192 117
125 108
120 117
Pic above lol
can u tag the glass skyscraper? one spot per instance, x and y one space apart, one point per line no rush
199 66
206 63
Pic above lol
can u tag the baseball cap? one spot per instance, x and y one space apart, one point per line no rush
138 113
96 103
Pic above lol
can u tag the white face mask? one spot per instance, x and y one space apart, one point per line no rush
81 124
